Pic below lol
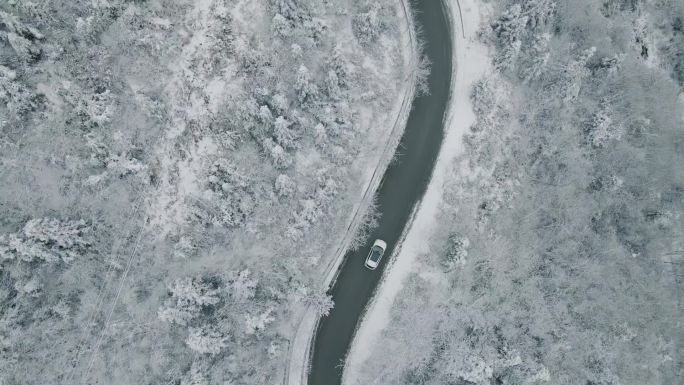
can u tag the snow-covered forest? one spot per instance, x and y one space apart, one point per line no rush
170 175
557 258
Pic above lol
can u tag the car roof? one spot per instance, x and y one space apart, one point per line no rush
375 253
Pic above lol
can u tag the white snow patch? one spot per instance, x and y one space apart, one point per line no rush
472 60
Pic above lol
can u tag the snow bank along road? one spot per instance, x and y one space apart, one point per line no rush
402 186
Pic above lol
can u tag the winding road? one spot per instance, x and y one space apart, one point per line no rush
402 187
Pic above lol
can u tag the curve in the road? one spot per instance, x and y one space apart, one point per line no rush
403 185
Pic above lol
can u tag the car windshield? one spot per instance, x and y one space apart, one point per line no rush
376 253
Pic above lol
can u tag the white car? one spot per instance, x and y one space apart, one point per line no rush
375 254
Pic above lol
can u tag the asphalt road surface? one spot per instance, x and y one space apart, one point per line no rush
403 185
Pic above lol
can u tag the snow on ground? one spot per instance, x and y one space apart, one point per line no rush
472 60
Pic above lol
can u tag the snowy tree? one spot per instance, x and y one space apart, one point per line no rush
306 89
314 27
296 50
122 165
195 376
421 73
539 12
321 302
314 206
332 83
46 239
32 287
601 129
16 97
282 27
63 234
474 370
187 296
21 37
369 221
13 24
344 68
229 199
23 47
576 71
280 158
116 166
206 340
224 176
255 324
321 136
508 31
287 8
265 115
536 62
284 135
456 252
280 102
98 106
369 24
284 186
243 286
